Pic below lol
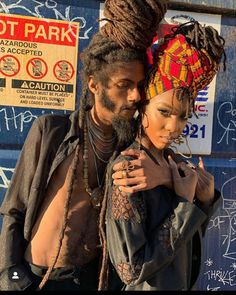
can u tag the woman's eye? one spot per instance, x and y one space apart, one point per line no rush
165 113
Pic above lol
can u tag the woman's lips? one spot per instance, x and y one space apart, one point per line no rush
167 139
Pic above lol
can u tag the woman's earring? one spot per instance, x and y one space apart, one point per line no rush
183 139
178 141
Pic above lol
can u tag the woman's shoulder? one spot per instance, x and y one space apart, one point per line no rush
120 157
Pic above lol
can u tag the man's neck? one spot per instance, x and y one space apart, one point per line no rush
104 130
102 142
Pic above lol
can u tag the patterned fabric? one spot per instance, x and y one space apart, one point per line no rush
126 272
121 208
180 64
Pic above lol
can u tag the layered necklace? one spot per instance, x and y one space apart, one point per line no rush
102 148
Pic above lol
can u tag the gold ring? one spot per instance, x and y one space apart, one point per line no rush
124 174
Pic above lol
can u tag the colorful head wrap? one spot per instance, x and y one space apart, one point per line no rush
180 64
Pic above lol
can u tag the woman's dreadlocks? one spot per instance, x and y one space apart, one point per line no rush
203 37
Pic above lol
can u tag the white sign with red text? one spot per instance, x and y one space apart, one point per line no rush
38 62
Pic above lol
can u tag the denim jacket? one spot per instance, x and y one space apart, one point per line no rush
50 140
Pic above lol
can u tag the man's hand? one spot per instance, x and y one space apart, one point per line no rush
142 173
205 186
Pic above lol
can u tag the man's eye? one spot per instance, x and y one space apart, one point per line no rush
141 86
123 84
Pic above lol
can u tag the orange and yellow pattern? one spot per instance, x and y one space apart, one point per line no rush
180 64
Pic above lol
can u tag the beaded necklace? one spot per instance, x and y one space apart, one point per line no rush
93 135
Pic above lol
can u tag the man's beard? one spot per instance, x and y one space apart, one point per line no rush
124 128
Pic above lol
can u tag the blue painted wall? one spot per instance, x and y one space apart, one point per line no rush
219 255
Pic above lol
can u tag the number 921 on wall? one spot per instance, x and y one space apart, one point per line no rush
196 139
194 131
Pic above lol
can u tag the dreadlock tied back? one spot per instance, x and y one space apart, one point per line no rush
133 23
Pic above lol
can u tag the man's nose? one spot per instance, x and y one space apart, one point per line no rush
134 95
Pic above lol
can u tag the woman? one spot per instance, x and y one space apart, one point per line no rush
154 236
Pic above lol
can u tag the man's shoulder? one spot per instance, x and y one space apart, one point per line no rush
54 120
55 125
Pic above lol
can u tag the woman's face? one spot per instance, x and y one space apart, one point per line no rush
165 118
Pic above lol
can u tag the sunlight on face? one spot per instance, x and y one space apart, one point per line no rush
164 118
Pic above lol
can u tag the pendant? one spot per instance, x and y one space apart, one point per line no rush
96 197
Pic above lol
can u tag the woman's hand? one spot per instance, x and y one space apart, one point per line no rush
184 186
205 186
141 173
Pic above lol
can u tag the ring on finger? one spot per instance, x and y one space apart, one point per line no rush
130 167
190 165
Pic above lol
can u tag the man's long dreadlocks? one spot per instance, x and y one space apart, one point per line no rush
133 23
129 31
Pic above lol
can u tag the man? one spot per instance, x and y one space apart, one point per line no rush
50 234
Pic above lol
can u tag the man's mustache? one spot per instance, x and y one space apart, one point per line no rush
132 107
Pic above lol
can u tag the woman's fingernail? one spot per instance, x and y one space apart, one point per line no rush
170 158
